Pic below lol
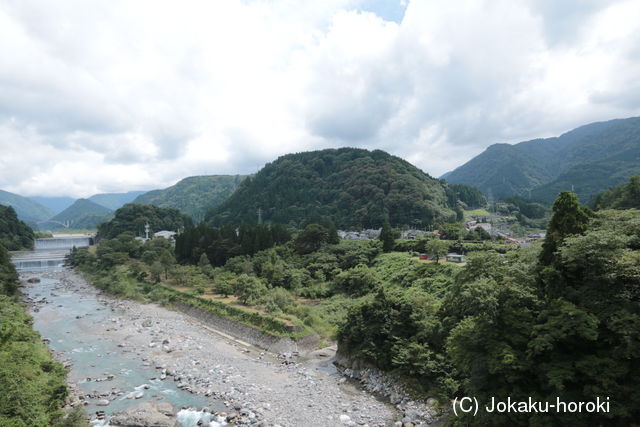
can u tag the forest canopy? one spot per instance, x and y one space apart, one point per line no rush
352 187
133 217
14 234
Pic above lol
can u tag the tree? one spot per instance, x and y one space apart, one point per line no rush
569 218
249 289
224 288
450 231
332 232
387 237
311 239
167 261
436 249
156 270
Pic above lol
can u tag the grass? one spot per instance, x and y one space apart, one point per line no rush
477 212
442 261
229 300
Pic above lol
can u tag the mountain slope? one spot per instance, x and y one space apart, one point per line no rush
590 158
353 187
82 214
132 218
15 235
55 204
114 201
27 209
624 196
194 195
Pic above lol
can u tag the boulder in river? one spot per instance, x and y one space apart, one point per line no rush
143 415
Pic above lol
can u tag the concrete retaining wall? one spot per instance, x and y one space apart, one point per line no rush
248 333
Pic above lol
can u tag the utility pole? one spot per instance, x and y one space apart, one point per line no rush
259 216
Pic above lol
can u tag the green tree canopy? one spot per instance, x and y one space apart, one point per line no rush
569 218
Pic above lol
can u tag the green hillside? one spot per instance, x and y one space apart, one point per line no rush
354 188
194 195
588 159
27 209
56 204
132 217
82 214
114 201
15 235
624 196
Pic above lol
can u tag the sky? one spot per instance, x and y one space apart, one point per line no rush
118 95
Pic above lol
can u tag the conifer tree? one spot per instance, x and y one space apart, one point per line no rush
569 218
386 236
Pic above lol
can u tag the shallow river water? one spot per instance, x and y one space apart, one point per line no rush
67 319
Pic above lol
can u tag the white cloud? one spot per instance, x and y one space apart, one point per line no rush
118 95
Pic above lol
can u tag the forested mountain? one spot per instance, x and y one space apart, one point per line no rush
588 159
14 234
82 214
114 201
132 218
624 196
354 188
194 195
27 209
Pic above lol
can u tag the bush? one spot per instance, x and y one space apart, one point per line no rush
357 281
249 289
278 300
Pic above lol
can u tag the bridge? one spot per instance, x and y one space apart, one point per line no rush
65 224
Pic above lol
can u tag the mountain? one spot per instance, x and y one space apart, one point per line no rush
194 195
15 235
588 159
82 214
55 204
114 201
624 196
354 188
27 209
132 218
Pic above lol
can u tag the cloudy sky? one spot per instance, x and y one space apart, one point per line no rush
118 95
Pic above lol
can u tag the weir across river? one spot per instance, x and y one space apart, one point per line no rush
49 254
63 242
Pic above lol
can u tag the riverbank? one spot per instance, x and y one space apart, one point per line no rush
256 387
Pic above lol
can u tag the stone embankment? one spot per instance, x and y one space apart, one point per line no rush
414 413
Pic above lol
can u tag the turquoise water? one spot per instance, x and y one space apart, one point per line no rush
95 357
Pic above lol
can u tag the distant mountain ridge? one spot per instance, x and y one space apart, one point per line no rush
82 214
55 204
115 201
194 195
587 159
27 209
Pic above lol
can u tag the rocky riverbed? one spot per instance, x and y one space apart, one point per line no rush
256 388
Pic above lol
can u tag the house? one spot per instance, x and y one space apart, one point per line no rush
455 257
169 235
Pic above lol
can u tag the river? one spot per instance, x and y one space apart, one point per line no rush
66 313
